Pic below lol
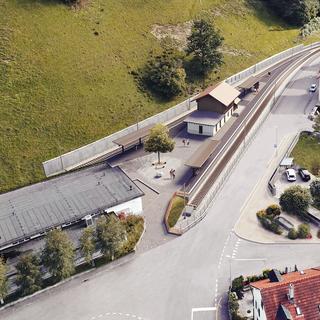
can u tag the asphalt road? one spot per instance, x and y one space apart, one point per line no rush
193 270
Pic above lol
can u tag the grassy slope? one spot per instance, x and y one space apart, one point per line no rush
61 86
306 153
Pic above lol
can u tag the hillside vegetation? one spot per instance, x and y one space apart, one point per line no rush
65 75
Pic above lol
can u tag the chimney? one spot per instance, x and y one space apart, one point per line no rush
291 293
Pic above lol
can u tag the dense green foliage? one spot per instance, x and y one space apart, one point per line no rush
303 231
267 221
293 234
29 278
297 12
295 200
164 74
315 192
134 226
273 210
3 280
203 44
58 255
111 235
88 243
159 141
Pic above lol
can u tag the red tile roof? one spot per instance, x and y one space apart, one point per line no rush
306 293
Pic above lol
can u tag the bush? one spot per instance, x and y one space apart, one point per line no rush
268 222
134 227
303 231
315 192
273 210
295 200
164 74
293 234
237 286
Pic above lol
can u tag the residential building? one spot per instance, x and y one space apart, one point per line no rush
290 296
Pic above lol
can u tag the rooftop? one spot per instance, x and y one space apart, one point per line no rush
208 118
306 286
222 92
31 210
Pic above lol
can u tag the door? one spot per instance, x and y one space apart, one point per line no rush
200 129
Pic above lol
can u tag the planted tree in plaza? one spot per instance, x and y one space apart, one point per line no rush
111 235
295 200
203 44
159 141
315 192
3 280
29 278
58 255
88 244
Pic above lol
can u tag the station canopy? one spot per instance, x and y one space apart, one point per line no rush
249 83
202 154
134 137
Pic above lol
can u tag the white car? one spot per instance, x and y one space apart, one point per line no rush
313 88
291 175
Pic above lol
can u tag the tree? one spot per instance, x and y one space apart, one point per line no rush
293 234
203 44
159 141
58 255
3 280
164 74
295 200
297 12
315 192
88 244
29 277
111 235
316 125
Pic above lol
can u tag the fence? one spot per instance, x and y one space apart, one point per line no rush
72 159
200 212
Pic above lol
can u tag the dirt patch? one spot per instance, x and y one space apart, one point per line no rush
179 33
234 52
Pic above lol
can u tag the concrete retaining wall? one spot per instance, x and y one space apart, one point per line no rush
72 159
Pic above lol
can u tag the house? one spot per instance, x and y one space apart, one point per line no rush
215 106
290 296
32 211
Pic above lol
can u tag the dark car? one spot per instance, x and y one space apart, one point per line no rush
304 174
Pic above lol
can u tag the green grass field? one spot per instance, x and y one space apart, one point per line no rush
306 153
62 86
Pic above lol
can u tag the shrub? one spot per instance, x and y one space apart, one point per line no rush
293 234
237 286
295 200
315 192
134 227
273 210
268 222
303 231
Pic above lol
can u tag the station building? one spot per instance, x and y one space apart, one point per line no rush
215 106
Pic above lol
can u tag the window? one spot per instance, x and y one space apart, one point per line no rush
201 129
256 304
261 304
259 312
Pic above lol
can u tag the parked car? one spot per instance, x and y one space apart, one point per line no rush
291 175
313 88
304 174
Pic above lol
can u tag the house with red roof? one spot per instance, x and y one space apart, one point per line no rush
290 296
